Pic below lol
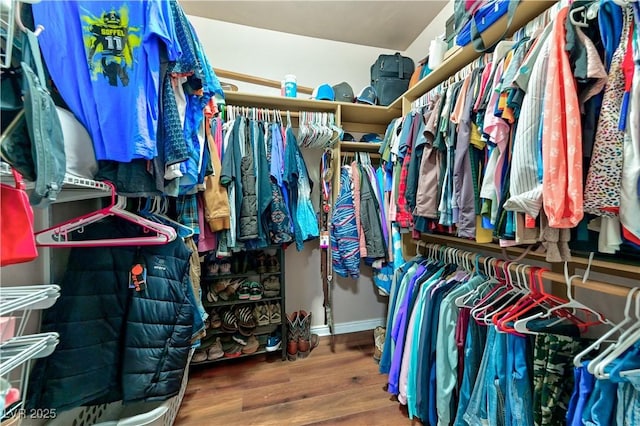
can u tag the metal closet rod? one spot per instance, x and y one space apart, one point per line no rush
597 286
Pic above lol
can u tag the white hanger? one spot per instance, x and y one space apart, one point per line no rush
577 360
625 341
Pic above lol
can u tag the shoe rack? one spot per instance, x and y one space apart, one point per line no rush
244 295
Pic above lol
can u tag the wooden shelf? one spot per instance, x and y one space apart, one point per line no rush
239 302
359 147
279 102
629 270
355 114
526 11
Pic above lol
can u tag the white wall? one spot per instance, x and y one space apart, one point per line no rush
272 55
419 49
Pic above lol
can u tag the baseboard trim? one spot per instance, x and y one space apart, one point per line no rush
348 327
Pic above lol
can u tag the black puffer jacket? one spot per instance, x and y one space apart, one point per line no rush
116 343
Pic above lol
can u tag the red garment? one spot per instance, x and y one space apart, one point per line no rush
561 136
404 217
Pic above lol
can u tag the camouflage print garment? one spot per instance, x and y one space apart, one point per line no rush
553 377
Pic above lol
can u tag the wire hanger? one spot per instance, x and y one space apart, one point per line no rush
61 235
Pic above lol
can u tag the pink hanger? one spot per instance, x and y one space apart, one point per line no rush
59 235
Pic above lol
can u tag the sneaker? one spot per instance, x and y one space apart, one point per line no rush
274 342
214 319
251 346
275 316
233 351
199 356
215 351
261 314
244 291
271 286
225 266
255 291
240 339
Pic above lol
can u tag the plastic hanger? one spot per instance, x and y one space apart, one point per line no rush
577 360
159 213
60 235
625 341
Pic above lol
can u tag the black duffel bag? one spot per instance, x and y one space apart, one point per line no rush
390 76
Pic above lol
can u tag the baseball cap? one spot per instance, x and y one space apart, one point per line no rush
324 92
367 96
348 137
370 137
343 92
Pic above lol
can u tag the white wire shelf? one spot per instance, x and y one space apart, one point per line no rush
18 350
74 188
19 302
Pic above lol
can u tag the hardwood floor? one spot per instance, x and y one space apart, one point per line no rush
341 388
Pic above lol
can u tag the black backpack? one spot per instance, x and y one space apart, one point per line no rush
390 76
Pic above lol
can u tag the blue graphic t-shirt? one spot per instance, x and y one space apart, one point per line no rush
104 57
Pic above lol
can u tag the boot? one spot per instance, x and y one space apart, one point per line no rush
306 340
378 339
293 334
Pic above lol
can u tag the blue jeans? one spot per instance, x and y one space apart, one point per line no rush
628 410
476 412
584 383
473 350
519 386
600 408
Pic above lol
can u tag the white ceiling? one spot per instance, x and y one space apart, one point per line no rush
386 24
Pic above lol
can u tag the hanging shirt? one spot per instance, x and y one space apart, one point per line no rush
561 136
109 70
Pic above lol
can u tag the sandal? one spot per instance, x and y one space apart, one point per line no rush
247 324
214 319
244 292
212 296
228 292
256 291
229 321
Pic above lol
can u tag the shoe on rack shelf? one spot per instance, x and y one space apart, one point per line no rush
275 315
271 286
261 262
273 265
239 339
234 350
261 314
229 321
225 266
246 321
244 291
199 356
231 289
251 346
274 342
256 291
215 351
214 319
